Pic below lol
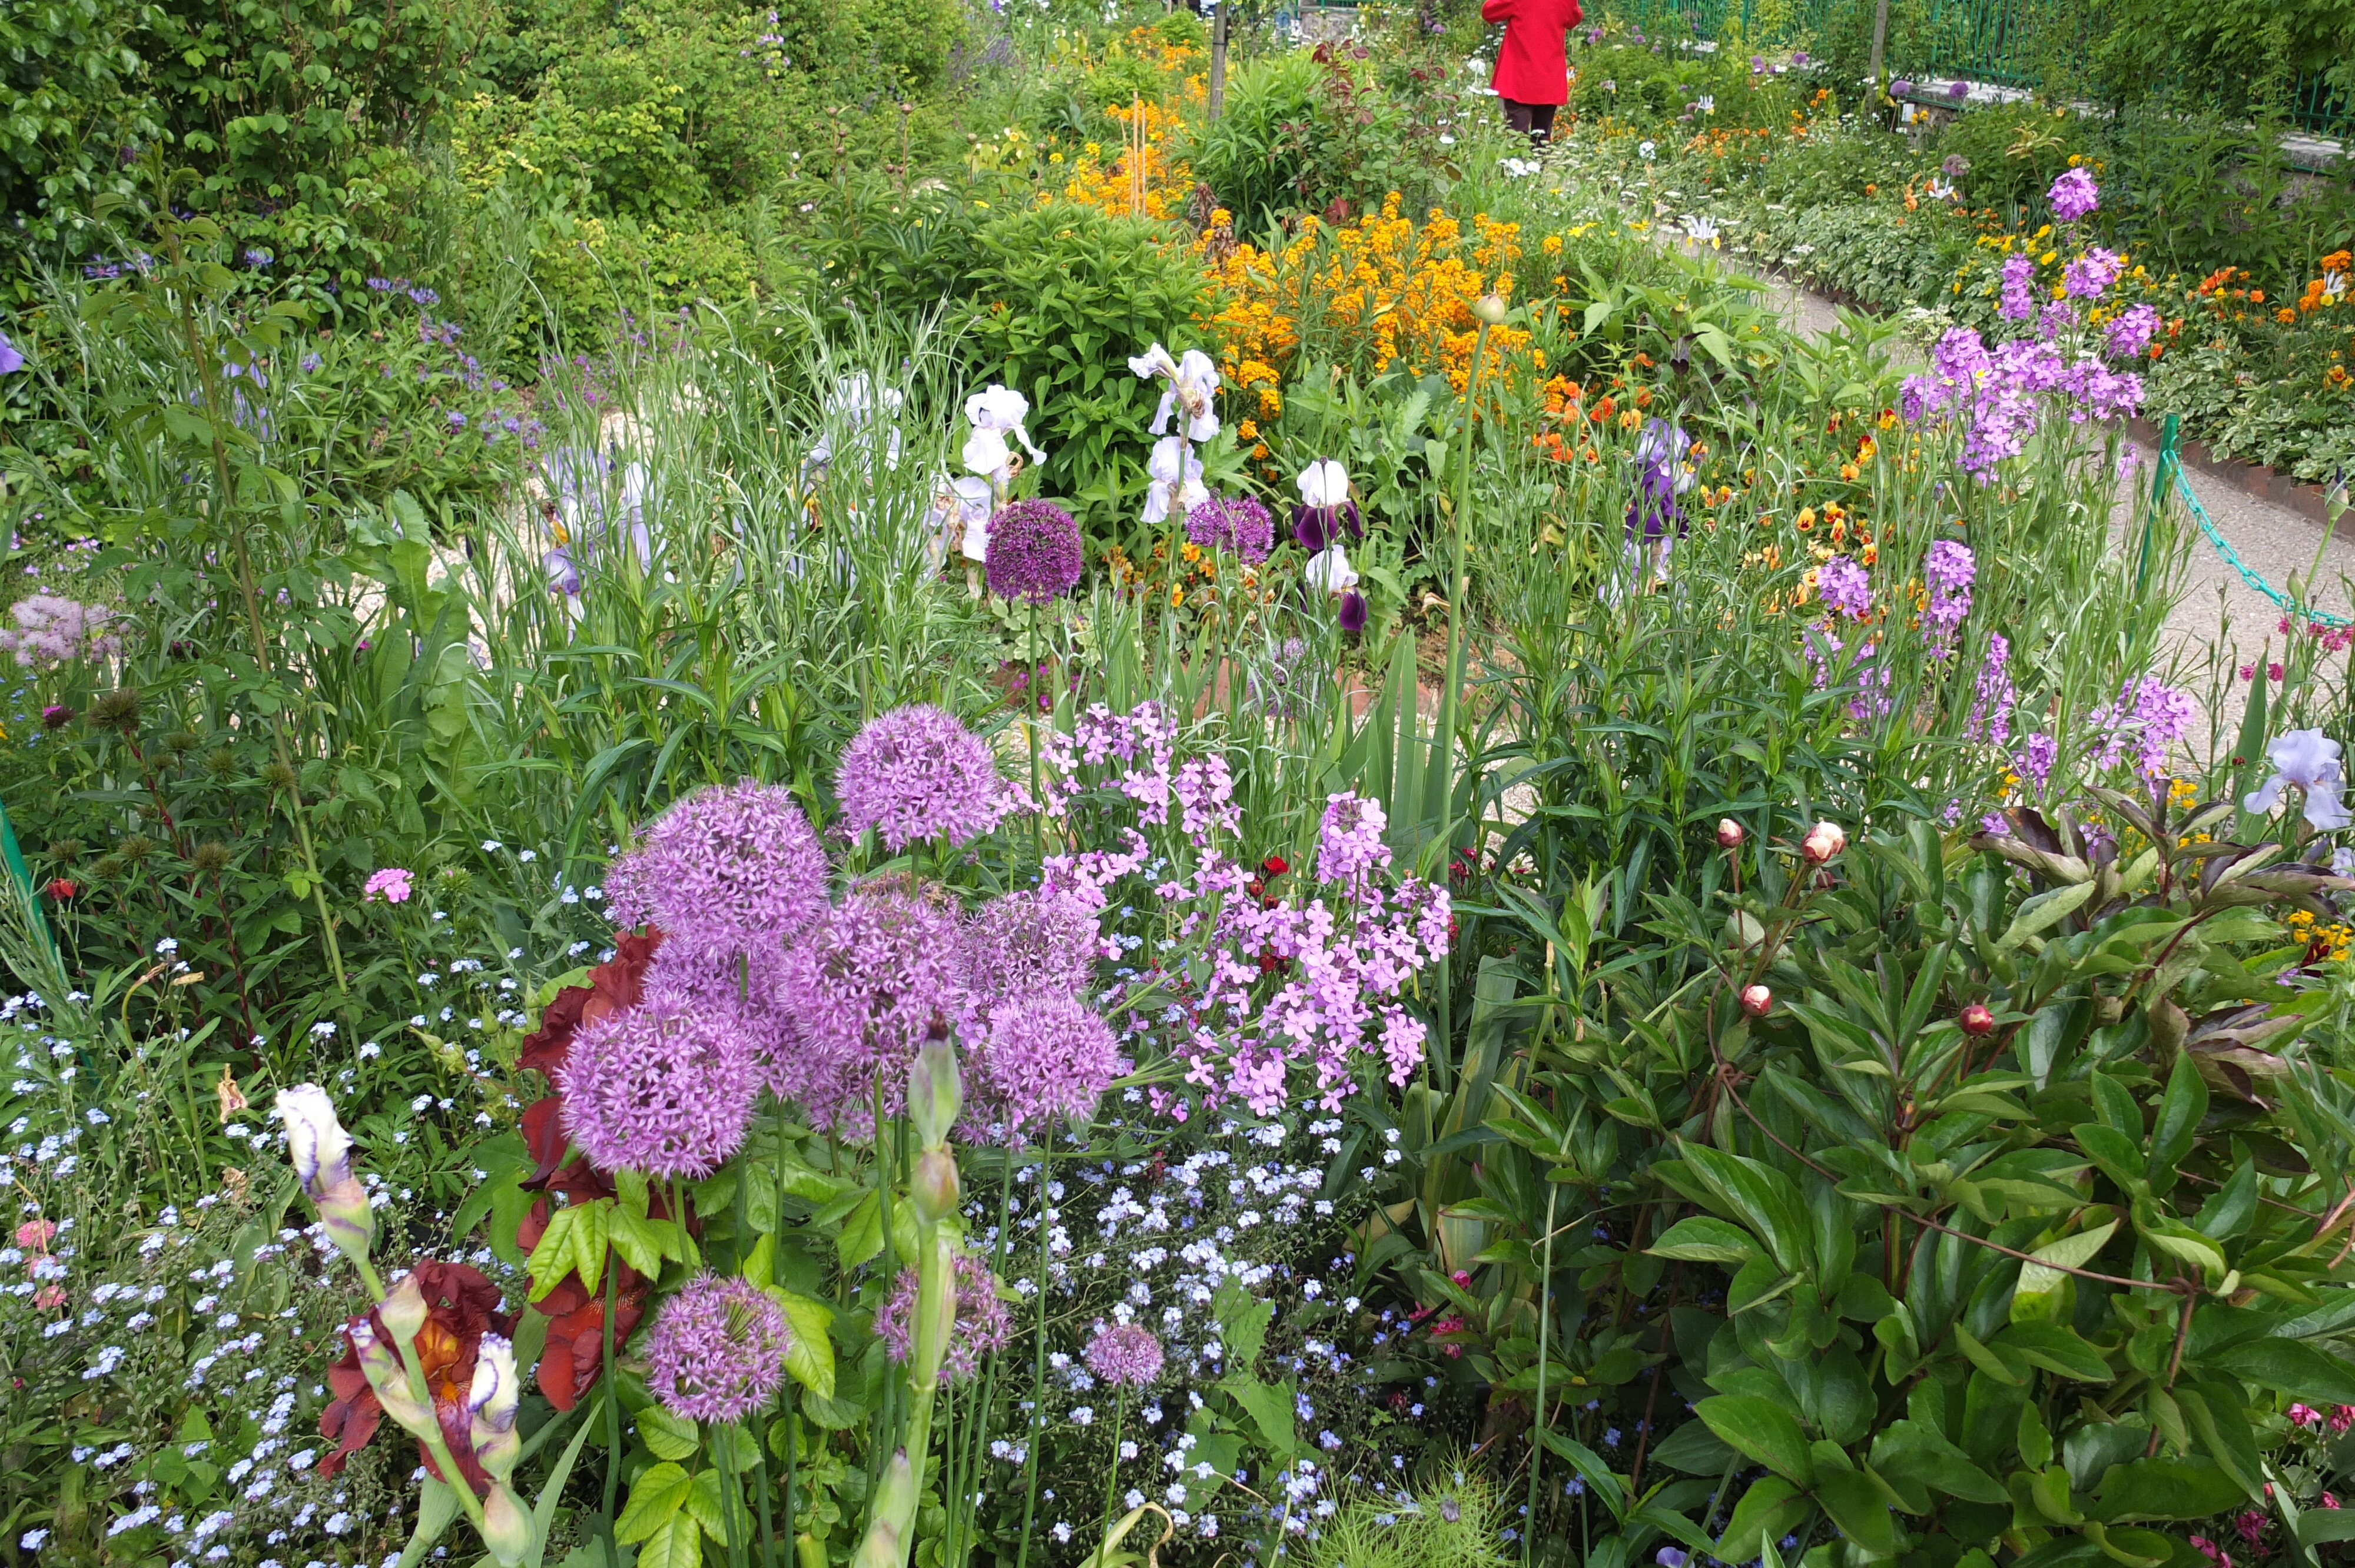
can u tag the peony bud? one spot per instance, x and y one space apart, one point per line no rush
1757 1000
1976 1019
1824 840
1490 308
506 1526
1729 833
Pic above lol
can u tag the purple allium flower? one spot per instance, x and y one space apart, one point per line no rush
1034 551
1239 525
981 1321
1900 88
866 986
1349 839
1126 1354
1029 943
664 1087
2074 195
2089 275
1045 1056
2018 289
731 869
717 1352
2130 331
1955 165
1958 89
914 774
1845 587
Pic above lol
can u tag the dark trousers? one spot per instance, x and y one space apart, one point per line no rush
1534 121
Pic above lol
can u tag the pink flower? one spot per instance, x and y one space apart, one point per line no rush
51 1297
36 1233
2305 1415
2342 1417
2251 1523
389 885
2208 1550
2329 1501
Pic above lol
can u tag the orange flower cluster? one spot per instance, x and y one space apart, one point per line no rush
2331 288
1403 290
1559 437
1143 172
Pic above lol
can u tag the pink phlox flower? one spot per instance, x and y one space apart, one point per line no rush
389 885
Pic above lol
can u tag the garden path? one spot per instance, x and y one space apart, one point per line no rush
2217 609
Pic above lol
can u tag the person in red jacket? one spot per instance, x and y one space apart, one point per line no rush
1533 65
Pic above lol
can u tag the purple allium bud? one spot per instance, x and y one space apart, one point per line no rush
1045 1057
981 1321
717 1351
914 774
1029 943
1126 1354
1034 551
1239 525
2074 195
733 869
665 1087
867 986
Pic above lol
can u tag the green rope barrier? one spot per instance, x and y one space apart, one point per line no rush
2170 465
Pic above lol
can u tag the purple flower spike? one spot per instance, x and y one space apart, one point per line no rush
2074 195
664 1088
730 870
1125 1355
717 1351
915 773
1034 551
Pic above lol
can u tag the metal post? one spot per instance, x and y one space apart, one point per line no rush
1219 58
2163 475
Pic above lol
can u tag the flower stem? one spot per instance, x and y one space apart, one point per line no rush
1039 1362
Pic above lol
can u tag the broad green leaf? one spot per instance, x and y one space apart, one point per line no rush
677 1543
2164 1488
2038 1292
1270 1406
862 1233
1761 1429
639 1240
1909 1448
2043 911
658 1495
810 1356
667 1437
1859 1509
2056 1347
1699 1239
1771 1509
1591 1469
2298 1368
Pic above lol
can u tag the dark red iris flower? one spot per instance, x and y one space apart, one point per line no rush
461 1306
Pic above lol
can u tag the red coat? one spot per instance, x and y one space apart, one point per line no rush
1533 66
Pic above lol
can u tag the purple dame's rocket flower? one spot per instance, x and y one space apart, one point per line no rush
2089 275
665 1087
1034 551
1126 1354
1994 696
1949 569
717 1351
2074 195
914 774
1349 839
1845 587
982 1325
731 869
2130 331
2018 289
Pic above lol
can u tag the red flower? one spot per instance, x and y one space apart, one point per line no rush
574 1357
461 1308
615 986
63 888
1274 865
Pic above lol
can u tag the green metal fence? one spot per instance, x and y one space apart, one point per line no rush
2008 43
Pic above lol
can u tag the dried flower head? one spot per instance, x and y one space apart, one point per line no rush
1126 1354
982 1325
914 774
733 869
665 1087
717 1352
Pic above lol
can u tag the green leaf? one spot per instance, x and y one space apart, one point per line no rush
810 1357
666 1435
1916 1452
2164 1488
862 1233
2057 1348
2222 1425
1859 1509
2046 909
1270 1406
833 1413
1699 1239
2180 1110
677 1543
658 1496
1761 1429
2038 1292
1771 1509
2317 1526
639 1240
2302 1371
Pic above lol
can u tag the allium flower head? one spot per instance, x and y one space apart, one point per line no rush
1126 1354
665 1087
1045 1056
868 984
1034 551
915 773
733 869
1029 943
981 1321
1239 525
2074 195
717 1351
